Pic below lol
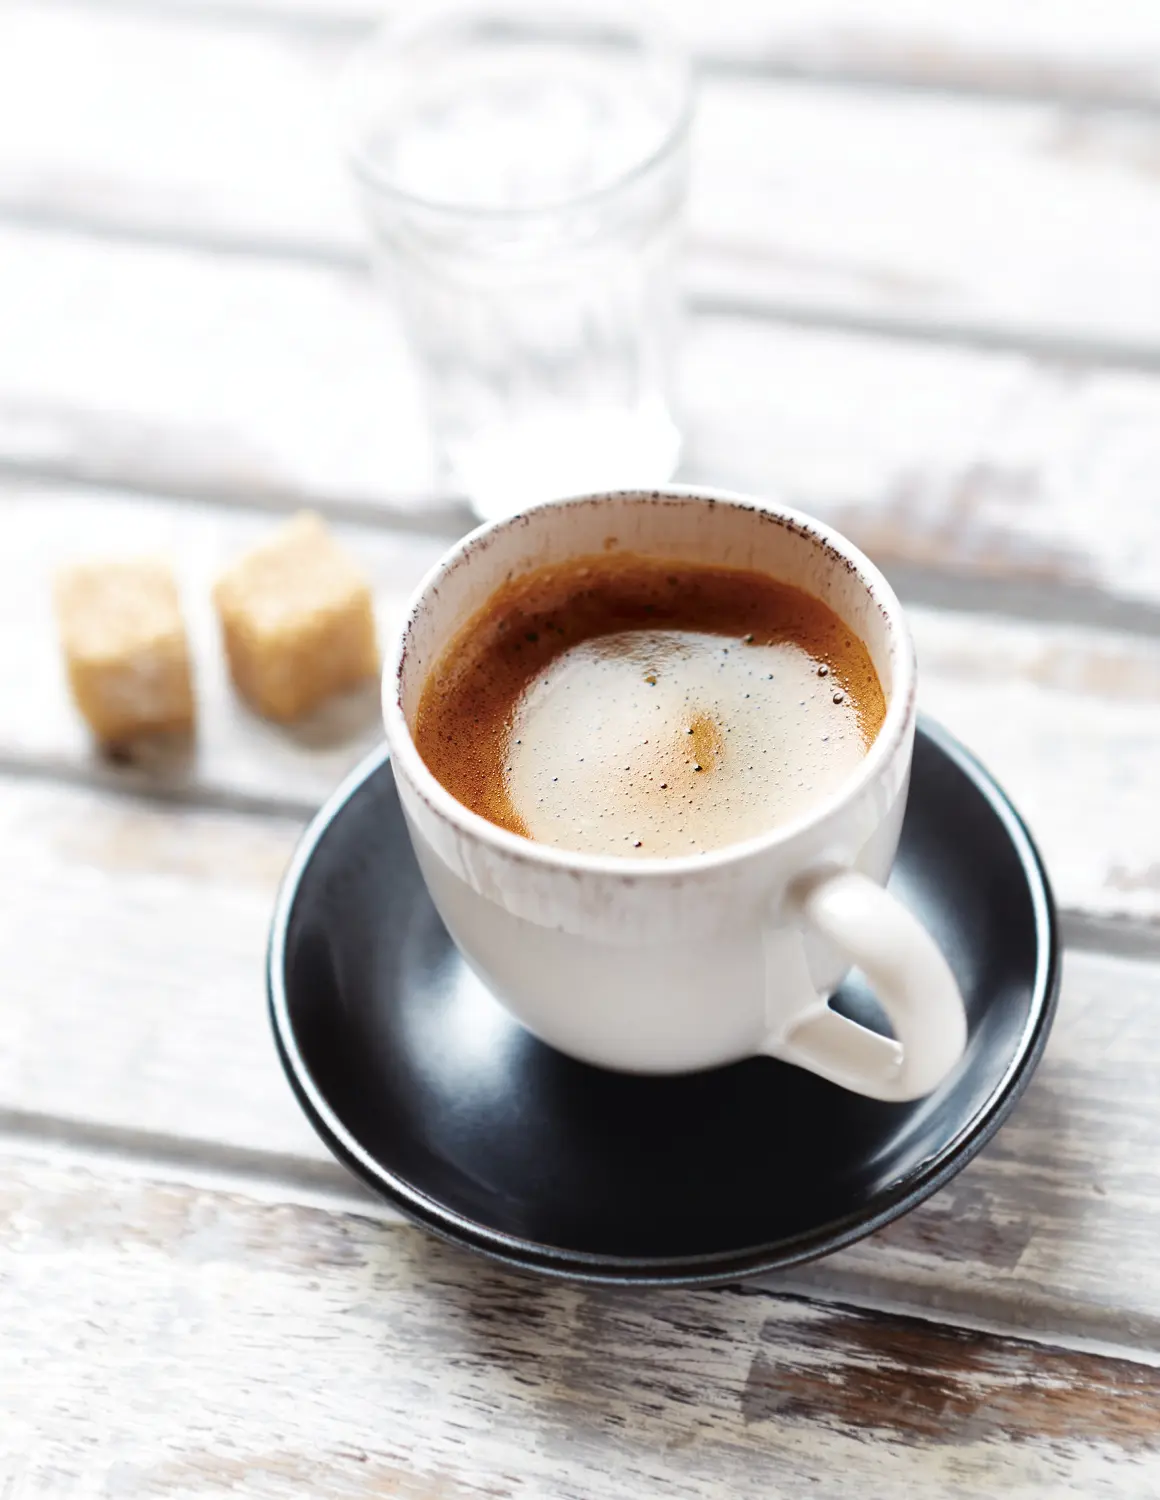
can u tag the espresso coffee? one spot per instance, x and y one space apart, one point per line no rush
633 706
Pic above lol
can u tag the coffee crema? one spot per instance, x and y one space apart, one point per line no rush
628 705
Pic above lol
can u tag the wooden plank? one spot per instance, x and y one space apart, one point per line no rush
237 754
1050 708
1066 722
242 115
161 1341
1081 50
986 466
1010 221
282 383
149 1019
146 1031
1037 1231
1073 49
194 373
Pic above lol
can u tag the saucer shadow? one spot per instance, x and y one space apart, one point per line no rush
420 1080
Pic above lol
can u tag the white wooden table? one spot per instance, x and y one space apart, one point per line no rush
925 276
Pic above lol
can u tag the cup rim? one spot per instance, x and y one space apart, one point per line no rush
408 19
899 713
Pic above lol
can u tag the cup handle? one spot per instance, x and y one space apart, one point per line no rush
911 979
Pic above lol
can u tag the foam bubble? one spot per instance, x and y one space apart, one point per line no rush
640 708
584 777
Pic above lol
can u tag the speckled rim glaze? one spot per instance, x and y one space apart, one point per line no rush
899 714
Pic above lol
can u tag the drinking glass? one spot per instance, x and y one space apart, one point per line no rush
523 168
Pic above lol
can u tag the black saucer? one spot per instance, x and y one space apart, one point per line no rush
419 1081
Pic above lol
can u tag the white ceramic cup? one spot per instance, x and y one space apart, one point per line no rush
669 965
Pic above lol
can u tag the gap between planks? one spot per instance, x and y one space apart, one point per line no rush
707 292
284 385
811 200
1050 601
840 42
141 1041
244 1344
1117 937
1051 708
295 1182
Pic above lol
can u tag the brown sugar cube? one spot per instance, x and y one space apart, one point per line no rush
298 621
125 648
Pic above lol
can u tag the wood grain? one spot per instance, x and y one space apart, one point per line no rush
282 384
1050 708
237 755
928 215
133 939
145 1033
195 1298
1028 1235
191 372
823 202
989 467
275 1351
1078 50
